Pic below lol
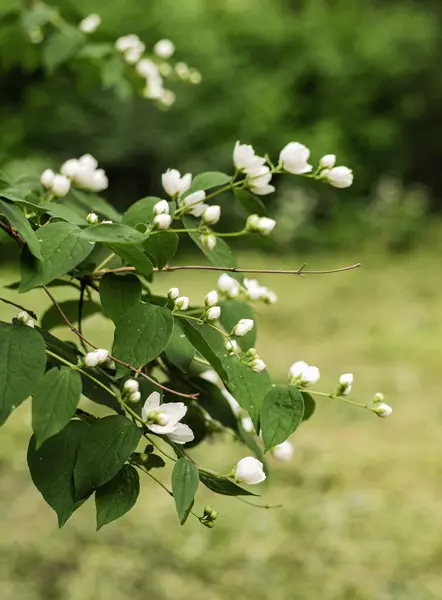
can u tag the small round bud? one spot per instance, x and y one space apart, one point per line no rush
231 346
252 353
252 222
60 186
340 177
164 49
92 218
228 286
258 365
47 178
173 293
30 323
182 303
211 215
91 359
207 510
208 240
102 355
378 397
161 208
283 452
162 221
328 161
266 226
134 397
382 409
211 298
344 385
90 23
23 317
209 524
214 515
303 374
182 70
130 386
213 313
70 168
243 327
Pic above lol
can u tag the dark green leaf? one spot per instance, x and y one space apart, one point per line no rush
22 364
222 485
141 212
309 406
251 441
61 46
212 400
52 317
54 402
161 247
118 496
201 338
52 468
154 462
179 350
281 413
185 482
133 256
112 233
62 249
97 204
142 333
104 449
18 221
63 212
118 294
251 203
231 312
205 181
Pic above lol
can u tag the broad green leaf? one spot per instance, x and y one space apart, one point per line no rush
52 317
118 294
112 233
62 249
215 403
309 406
117 496
52 468
247 387
54 402
205 181
202 339
231 312
61 46
161 247
63 212
104 449
98 204
142 333
18 221
22 365
251 203
134 256
281 413
140 212
179 350
222 485
185 482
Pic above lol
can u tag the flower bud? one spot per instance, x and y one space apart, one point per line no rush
228 286
90 23
47 178
164 49
344 384
99 181
284 451
252 222
207 511
91 359
102 355
134 397
249 470
247 424
173 293
328 161
60 185
209 524
266 226
382 409
231 346
23 317
70 168
340 177
294 158
167 98
245 159
143 457
162 221
213 313
92 218
161 208
258 365
30 323
182 70
243 327
252 353
378 397
130 386
174 183
182 303
88 162
303 374
270 297
211 215
208 241
195 77
212 298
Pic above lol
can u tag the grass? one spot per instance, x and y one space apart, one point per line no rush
361 514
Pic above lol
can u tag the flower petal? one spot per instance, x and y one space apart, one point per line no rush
181 434
174 410
161 429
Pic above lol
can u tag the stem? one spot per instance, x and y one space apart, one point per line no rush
268 506
157 480
105 262
334 397
160 449
80 312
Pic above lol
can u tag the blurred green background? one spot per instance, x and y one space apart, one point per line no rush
361 499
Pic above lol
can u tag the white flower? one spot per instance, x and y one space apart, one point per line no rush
294 158
254 291
92 218
47 178
212 214
243 327
130 386
328 161
247 424
70 168
90 23
134 397
91 359
174 183
231 346
344 384
284 451
161 208
173 293
208 241
102 355
164 419
340 177
99 181
213 313
167 98
262 191
88 162
258 365
164 49
245 159
302 373
23 316
182 70
60 186
382 409
270 297
231 400
134 54
258 181
266 226
162 221
210 375
249 470
182 303
193 200
126 42
252 222
228 286
147 68
211 298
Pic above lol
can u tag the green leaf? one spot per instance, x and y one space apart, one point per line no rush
104 449
18 221
161 247
62 212
142 333
210 179
61 46
202 339
179 350
140 212
117 496
134 256
54 402
52 468
52 317
251 203
118 294
247 387
185 482
112 233
231 312
222 485
62 249
22 364
212 400
97 204
281 413
309 406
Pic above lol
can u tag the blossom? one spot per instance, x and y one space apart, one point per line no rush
89 162
90 23
164 419
47 178
344 384
175 184
194 203
258 365
167 98
211 298
164 49
25 318
182 303
161 208
303 374
147 68
60 186
328 161
243 327
382 409
245 159
182 70
340 177
266 226
270 297
293 158
231 346
247 424
92 218
162 221
70 167
208 241
249 470
228 286
258 180
213 313
173 293
195 77
97 357
99 181
134 397
130 386
211 214
284 451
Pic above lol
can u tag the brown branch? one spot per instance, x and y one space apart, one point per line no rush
12 233
117 360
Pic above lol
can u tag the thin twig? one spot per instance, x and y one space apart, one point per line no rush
12 232
30 312
80 313
116 360
267 506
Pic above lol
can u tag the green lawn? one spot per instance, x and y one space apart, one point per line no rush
361 516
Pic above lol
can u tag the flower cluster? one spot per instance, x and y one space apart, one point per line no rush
254 361
258 175
300 373
162 218
164 419
212 312
131 391
180 302
261 225
97 357
252 290
82 173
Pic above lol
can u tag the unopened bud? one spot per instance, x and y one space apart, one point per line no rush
162 221
173 293
208 241
211 215
182 303
382 409
258 365
92 218
212 298
161 208
213 313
